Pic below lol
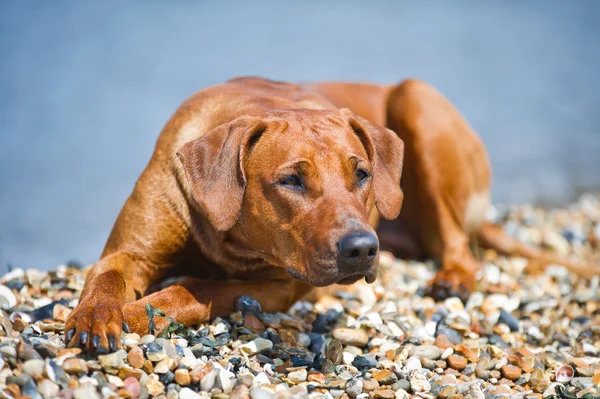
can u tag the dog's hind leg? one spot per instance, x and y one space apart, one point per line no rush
446 168
494 237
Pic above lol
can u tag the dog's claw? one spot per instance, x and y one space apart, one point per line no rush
95 341
83 338
112 344
69 336
126 327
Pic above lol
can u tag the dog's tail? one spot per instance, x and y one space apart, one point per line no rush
494 237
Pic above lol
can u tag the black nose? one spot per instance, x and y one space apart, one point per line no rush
359 249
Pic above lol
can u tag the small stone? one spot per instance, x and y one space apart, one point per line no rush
132 386
298 376
401 384
182 377
86 391
128 371
317 377
8 300
131 340
412 363
539 381
508 319
384 394
147 339
401 394
418 382
354 387
334 352
164 366
155 387
385 377
239 392
225 381
247 306
582 382
135 357
155 352
351 336
113 362
258 345
457 362
361 362
511 372
48 389
442 342
34 367
60 312
427 351
370 384
208 380
252 323
187 393
75 366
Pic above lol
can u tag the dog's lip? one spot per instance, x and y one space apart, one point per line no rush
351 279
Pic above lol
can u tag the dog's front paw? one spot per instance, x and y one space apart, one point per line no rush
96 327
448 284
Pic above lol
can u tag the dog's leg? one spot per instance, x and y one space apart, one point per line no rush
445 168
194 301
494 237
97 321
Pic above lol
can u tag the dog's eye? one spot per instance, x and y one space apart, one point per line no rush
362 175
291 180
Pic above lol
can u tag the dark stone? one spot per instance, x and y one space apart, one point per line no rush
299 361
19 380
173 387
495 339
259 358
247 306
453 336
30 390
45 312
271 336
317 343
508 319
320 324
15 284
167 378
361 362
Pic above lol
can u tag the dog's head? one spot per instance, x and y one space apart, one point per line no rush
297 188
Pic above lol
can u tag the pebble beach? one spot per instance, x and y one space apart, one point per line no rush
519 335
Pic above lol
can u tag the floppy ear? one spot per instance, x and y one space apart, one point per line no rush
386 153
213 165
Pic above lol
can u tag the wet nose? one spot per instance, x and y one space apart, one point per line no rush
358 249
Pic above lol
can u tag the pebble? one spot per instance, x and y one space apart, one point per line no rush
351 336
155 387
427 351
354 387
457 362
135 357
298 376
519 336
258 345
47 389
34 367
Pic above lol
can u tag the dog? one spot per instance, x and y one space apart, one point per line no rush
267 189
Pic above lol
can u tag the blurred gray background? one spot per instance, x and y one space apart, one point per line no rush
86 86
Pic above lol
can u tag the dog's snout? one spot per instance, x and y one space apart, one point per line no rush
358 249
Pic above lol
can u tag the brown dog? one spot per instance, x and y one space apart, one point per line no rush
265 189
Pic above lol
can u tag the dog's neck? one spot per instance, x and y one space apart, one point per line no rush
222 248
